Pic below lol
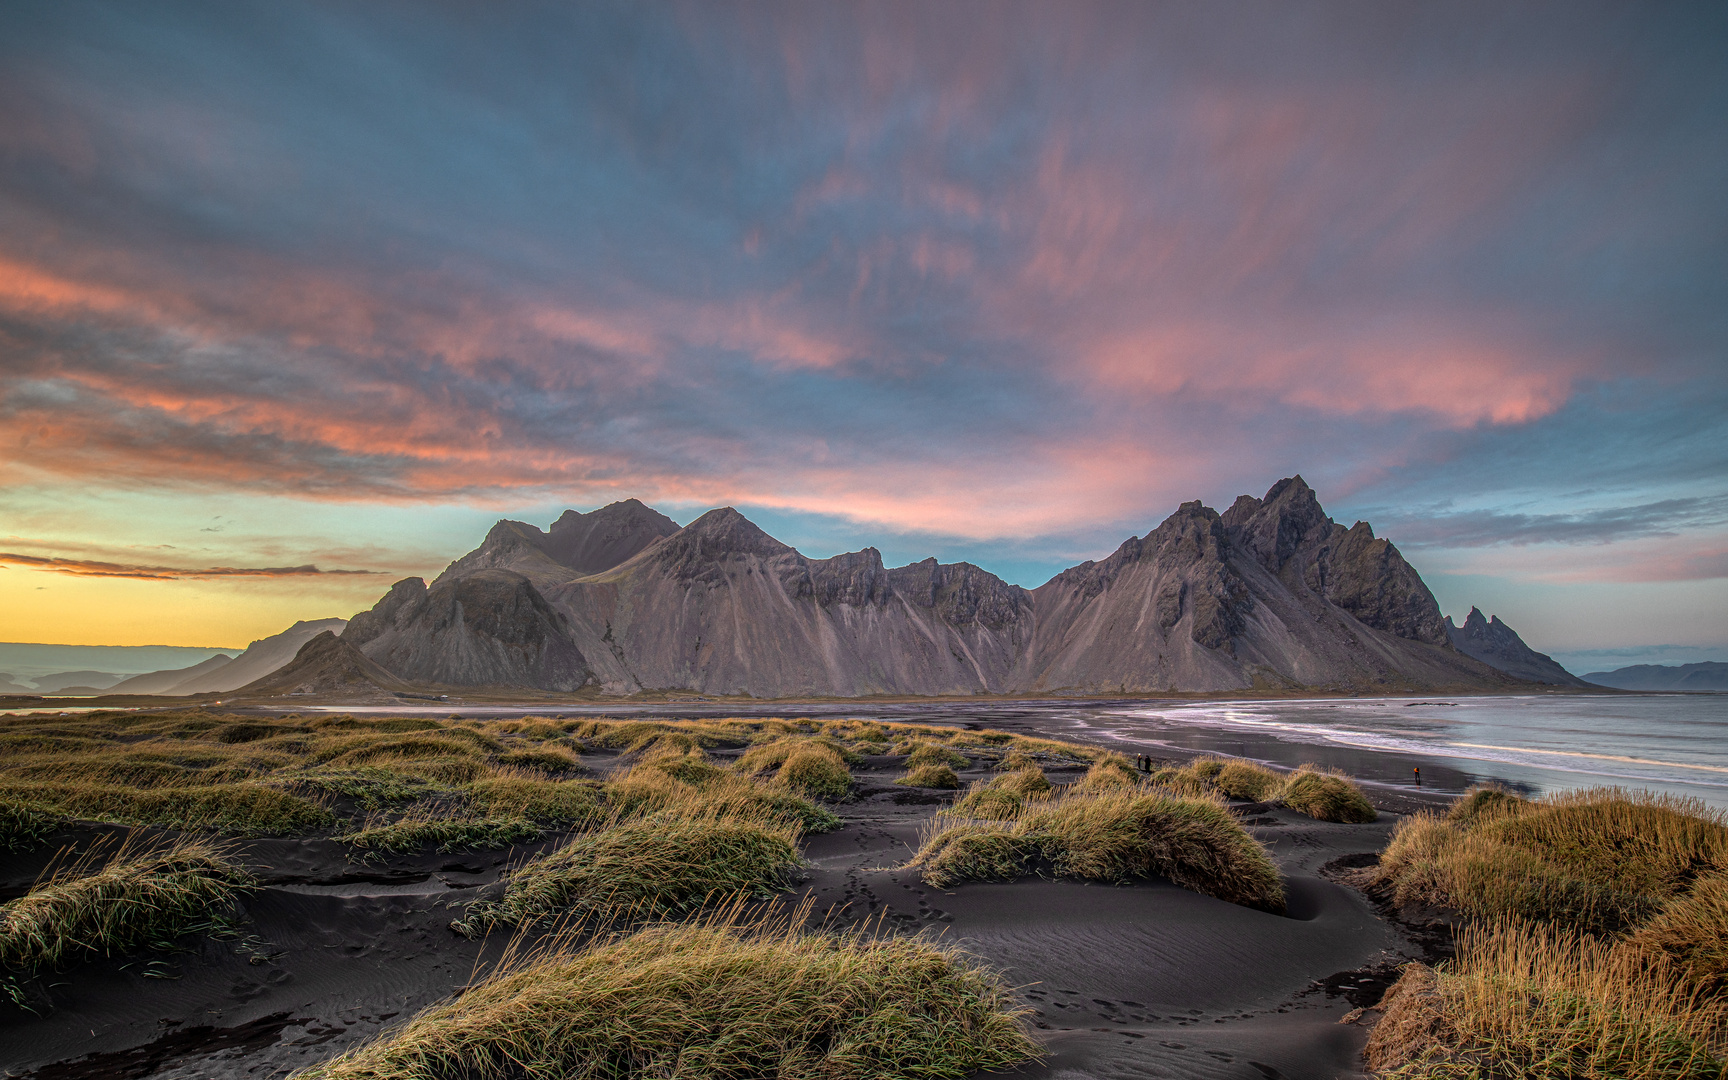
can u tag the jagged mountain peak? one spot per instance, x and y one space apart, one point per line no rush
723 531
1491 641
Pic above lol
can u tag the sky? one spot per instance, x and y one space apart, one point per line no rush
296 299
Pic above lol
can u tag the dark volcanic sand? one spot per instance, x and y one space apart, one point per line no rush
1129 981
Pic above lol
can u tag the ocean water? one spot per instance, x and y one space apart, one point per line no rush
1676 743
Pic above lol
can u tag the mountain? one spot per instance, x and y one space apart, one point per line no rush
1709 675
7 686
259 659
575 546
1499 646
1270 594
86 680
488 628
161 682
328 667
722 607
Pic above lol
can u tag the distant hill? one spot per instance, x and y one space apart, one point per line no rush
25 661
1706 676
88 681
1499 646
163 682
260 659
1272 594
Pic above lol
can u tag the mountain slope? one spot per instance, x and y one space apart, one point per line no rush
328 667
161 682
488 628
575 546
723 607
1270 594
1499 646
260 659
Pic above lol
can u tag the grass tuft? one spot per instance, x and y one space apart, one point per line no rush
1600 861
22 825
1541 1004
1324 796
926 753
449 834
930 776
137 898
1241 779
1115 837
714 1001
645 868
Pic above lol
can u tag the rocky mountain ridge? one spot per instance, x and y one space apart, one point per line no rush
1270 594
1498 645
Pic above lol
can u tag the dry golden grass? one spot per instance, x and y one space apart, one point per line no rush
1110 836
646 868
1526 1003
1600 860
1111 771
716 1000
930 776
1691 932
1324 796
111 902
928 753
1246 780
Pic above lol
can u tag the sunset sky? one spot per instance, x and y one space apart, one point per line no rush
297 299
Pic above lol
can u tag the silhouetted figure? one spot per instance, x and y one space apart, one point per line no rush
1418 773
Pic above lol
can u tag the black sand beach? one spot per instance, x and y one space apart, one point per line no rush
1145 979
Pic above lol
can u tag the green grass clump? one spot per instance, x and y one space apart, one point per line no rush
1525 1002
22 825
448 833
1324 796
247 809
646 868
1028 783
1111 771
372 786
547 802
988 803
689 768
817 771
925 753
714 1001
649 789
1111 836
545 758
138 898
1246 780
930 776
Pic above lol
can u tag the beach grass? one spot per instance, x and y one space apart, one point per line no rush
646 868
1526 1002
1241 779
135 897
1600 860
930 776
1323 796
921 753
23 825
447 833
1112 836
714 1000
